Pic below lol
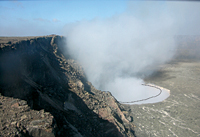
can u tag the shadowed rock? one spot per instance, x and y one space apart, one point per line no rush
36 70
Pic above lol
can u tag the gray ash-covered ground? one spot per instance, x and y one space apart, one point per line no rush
178 115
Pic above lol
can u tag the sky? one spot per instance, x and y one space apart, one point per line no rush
22 18
28 18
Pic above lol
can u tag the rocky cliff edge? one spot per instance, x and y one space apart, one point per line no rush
44 92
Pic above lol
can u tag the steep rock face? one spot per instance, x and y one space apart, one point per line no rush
36 70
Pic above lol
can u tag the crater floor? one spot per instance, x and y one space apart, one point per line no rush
155 94
178 115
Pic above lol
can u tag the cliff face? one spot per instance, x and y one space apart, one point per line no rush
49 95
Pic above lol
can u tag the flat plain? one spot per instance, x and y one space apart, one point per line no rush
178 115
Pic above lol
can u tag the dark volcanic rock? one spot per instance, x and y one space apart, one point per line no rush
17 119
45 93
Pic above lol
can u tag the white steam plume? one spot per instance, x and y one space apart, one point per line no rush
117 52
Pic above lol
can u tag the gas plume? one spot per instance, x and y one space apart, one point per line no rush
117 52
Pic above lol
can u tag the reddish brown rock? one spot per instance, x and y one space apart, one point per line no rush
16 105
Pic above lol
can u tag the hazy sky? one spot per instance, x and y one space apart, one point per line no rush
47 17
18 18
